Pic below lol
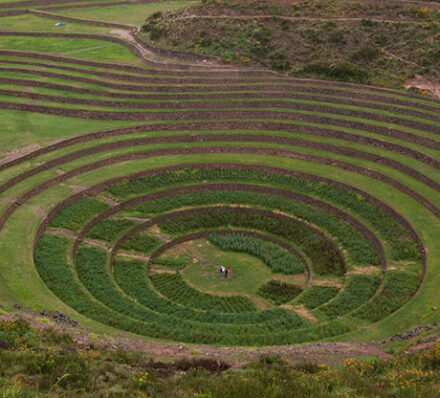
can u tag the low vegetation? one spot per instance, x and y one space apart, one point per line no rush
36 362
358 42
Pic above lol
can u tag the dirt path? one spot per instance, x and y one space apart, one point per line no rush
301 311
411 63
18 153
127 35
108 200
134 256
423 83
71 235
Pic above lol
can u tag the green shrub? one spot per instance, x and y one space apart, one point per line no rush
367 53
338 36
153 27
346 71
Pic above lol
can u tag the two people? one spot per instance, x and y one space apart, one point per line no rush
225 270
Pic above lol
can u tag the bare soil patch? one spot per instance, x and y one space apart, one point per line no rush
19 152
423 83
301 311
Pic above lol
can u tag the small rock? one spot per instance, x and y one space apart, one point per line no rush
434 308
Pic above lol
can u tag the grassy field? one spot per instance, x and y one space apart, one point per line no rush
136 174
130 14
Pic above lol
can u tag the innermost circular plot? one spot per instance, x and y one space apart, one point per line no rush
250 261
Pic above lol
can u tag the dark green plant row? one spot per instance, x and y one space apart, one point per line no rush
314 296
388 228
55 270
177 290
131 276
279 292
110 229
274 256
359 288
359 249
78 214
323 255
179 262
91 265
399 287
52 264
141 242
53 267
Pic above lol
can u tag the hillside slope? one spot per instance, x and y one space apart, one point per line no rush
372 42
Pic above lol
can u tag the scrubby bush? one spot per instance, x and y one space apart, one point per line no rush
346 71
367 53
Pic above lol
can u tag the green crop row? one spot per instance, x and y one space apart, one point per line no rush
55 270
388 228
324 257
176 289
399 287
94 274
274 256
110 229
141 242
315 296
53 267
179 262
132 277
359 288
76 215
359 249
279 292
